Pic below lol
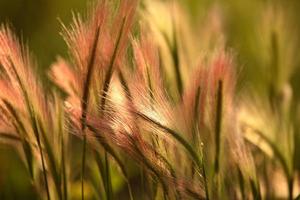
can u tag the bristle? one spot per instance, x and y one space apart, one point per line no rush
63 75
145 108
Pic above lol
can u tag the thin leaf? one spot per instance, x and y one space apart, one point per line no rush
176 136
278 156
107 80
218 126
51 157
21 130
241 183
255 190
111 66
84 104
111 151
33 123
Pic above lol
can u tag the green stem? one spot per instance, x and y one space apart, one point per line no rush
107 80
34 124
218 126
111 151
44 168
84 104
281 160
107 177
176 136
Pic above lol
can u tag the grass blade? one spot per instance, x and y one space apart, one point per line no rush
112 152
19 126
111 65
84 104
31 113
107 80
51 157
255 190
279 156
176 136
241 183
218 126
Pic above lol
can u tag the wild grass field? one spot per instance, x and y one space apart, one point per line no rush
150 99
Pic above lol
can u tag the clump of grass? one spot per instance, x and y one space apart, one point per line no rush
113 102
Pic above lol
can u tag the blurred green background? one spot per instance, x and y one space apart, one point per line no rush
38 23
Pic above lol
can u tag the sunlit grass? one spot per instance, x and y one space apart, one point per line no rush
131 115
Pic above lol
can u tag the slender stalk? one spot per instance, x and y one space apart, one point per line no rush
107 80
176 136
84 104
51 157
156 172
274 65
218 126
44 168
204 174
83 166
281 160
19 126
205 181
291 188
175 55
111 69
34 125
163 159
146 162
173 48
196 115
64 174
255 190
112 152
63 159
107 176
241 183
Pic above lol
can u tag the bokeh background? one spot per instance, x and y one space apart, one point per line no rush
38 22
